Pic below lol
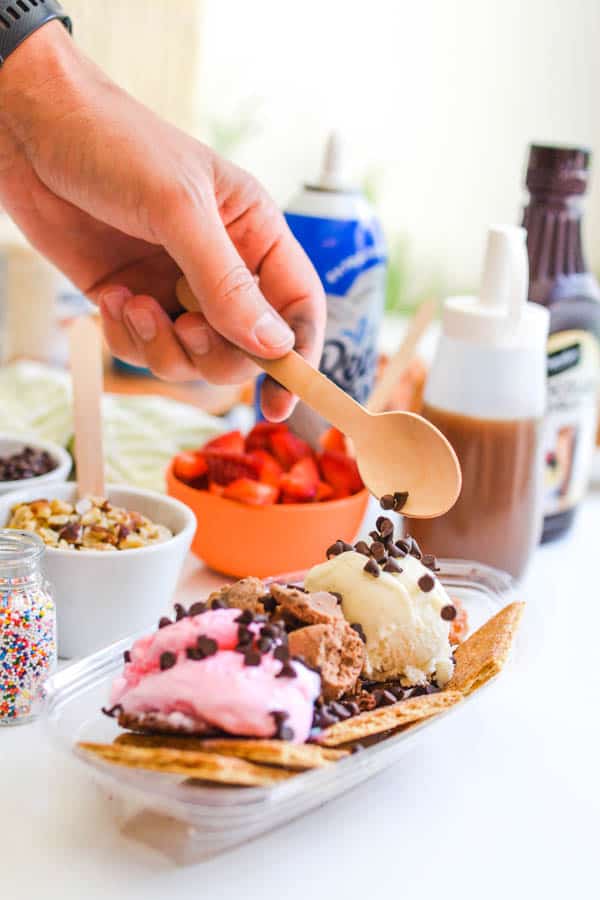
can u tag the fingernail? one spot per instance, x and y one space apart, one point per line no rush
196 339
271 331
113 298
142 322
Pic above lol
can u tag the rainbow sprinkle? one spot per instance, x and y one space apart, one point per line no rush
27 647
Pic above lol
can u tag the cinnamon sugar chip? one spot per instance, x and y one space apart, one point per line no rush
483 654
191 764
386 718
272 753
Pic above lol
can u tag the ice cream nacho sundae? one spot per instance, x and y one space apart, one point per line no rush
263 680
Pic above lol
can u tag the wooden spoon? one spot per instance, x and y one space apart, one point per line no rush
395 451
85 345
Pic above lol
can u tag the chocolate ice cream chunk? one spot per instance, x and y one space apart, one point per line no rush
245 594
299 608
336 650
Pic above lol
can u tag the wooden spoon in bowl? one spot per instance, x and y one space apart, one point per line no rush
395 451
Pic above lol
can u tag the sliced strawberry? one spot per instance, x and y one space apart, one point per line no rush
306 469
269 470
332 439
341 472
224 467
232 442
216 489
246 490
300 484
189 465
288 448
259 437
324 492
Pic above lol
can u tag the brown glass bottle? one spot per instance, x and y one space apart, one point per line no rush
559 279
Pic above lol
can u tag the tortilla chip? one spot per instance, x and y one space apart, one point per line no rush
388 717
270 752
483 654
191 764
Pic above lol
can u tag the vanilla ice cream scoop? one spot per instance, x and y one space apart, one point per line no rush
400 614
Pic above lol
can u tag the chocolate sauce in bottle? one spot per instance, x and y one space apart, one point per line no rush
559 280
486 391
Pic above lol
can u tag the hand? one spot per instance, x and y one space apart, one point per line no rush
123 203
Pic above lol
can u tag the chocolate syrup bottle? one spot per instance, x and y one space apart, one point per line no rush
560 281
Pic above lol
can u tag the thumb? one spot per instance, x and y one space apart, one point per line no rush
226 290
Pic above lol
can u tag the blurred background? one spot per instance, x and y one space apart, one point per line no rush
437 103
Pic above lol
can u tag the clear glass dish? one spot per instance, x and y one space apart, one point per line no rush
192 821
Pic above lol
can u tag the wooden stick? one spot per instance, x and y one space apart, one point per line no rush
86 368
403 356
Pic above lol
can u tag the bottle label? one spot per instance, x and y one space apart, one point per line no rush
571 420
350 258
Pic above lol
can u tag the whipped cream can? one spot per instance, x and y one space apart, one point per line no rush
340 233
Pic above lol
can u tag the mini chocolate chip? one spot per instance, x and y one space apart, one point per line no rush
392 567
265 644
282 653
387 502
163 622
403 546
245 636
335 549
286 733
245 617
269 603
167 660
287 671
194 653
340 710
394 552
113 711
374 535
297 587
357 627
426 583
346 547
448 612
180 612
127 656
196 609
357 748
251 657
400 498
430 562
352 707
217 603
384 698
377 550
362 547
372 568
326 718
337 596
398 692
207 645
385 526
269 631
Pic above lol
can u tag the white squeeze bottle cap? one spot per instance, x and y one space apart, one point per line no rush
501 313
491 359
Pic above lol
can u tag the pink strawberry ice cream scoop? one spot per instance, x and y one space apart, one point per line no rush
217 670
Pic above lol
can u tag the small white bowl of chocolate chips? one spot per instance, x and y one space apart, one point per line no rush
25 463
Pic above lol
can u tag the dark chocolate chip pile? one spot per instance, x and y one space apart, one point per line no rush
368 695
26 463
382 554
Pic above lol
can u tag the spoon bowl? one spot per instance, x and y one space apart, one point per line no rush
401 451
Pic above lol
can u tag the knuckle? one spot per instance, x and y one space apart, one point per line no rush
235 285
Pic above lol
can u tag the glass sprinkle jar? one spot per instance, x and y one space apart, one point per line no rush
27 627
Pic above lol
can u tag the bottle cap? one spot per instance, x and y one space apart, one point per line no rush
561 170
501 314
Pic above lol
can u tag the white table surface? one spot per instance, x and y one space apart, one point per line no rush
502 800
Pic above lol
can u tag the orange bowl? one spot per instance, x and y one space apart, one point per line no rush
238 539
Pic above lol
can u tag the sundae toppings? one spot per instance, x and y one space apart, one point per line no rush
398 602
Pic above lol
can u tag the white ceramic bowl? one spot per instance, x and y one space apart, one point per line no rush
13 443
102 596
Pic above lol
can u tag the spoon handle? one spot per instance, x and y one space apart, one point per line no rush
300 378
